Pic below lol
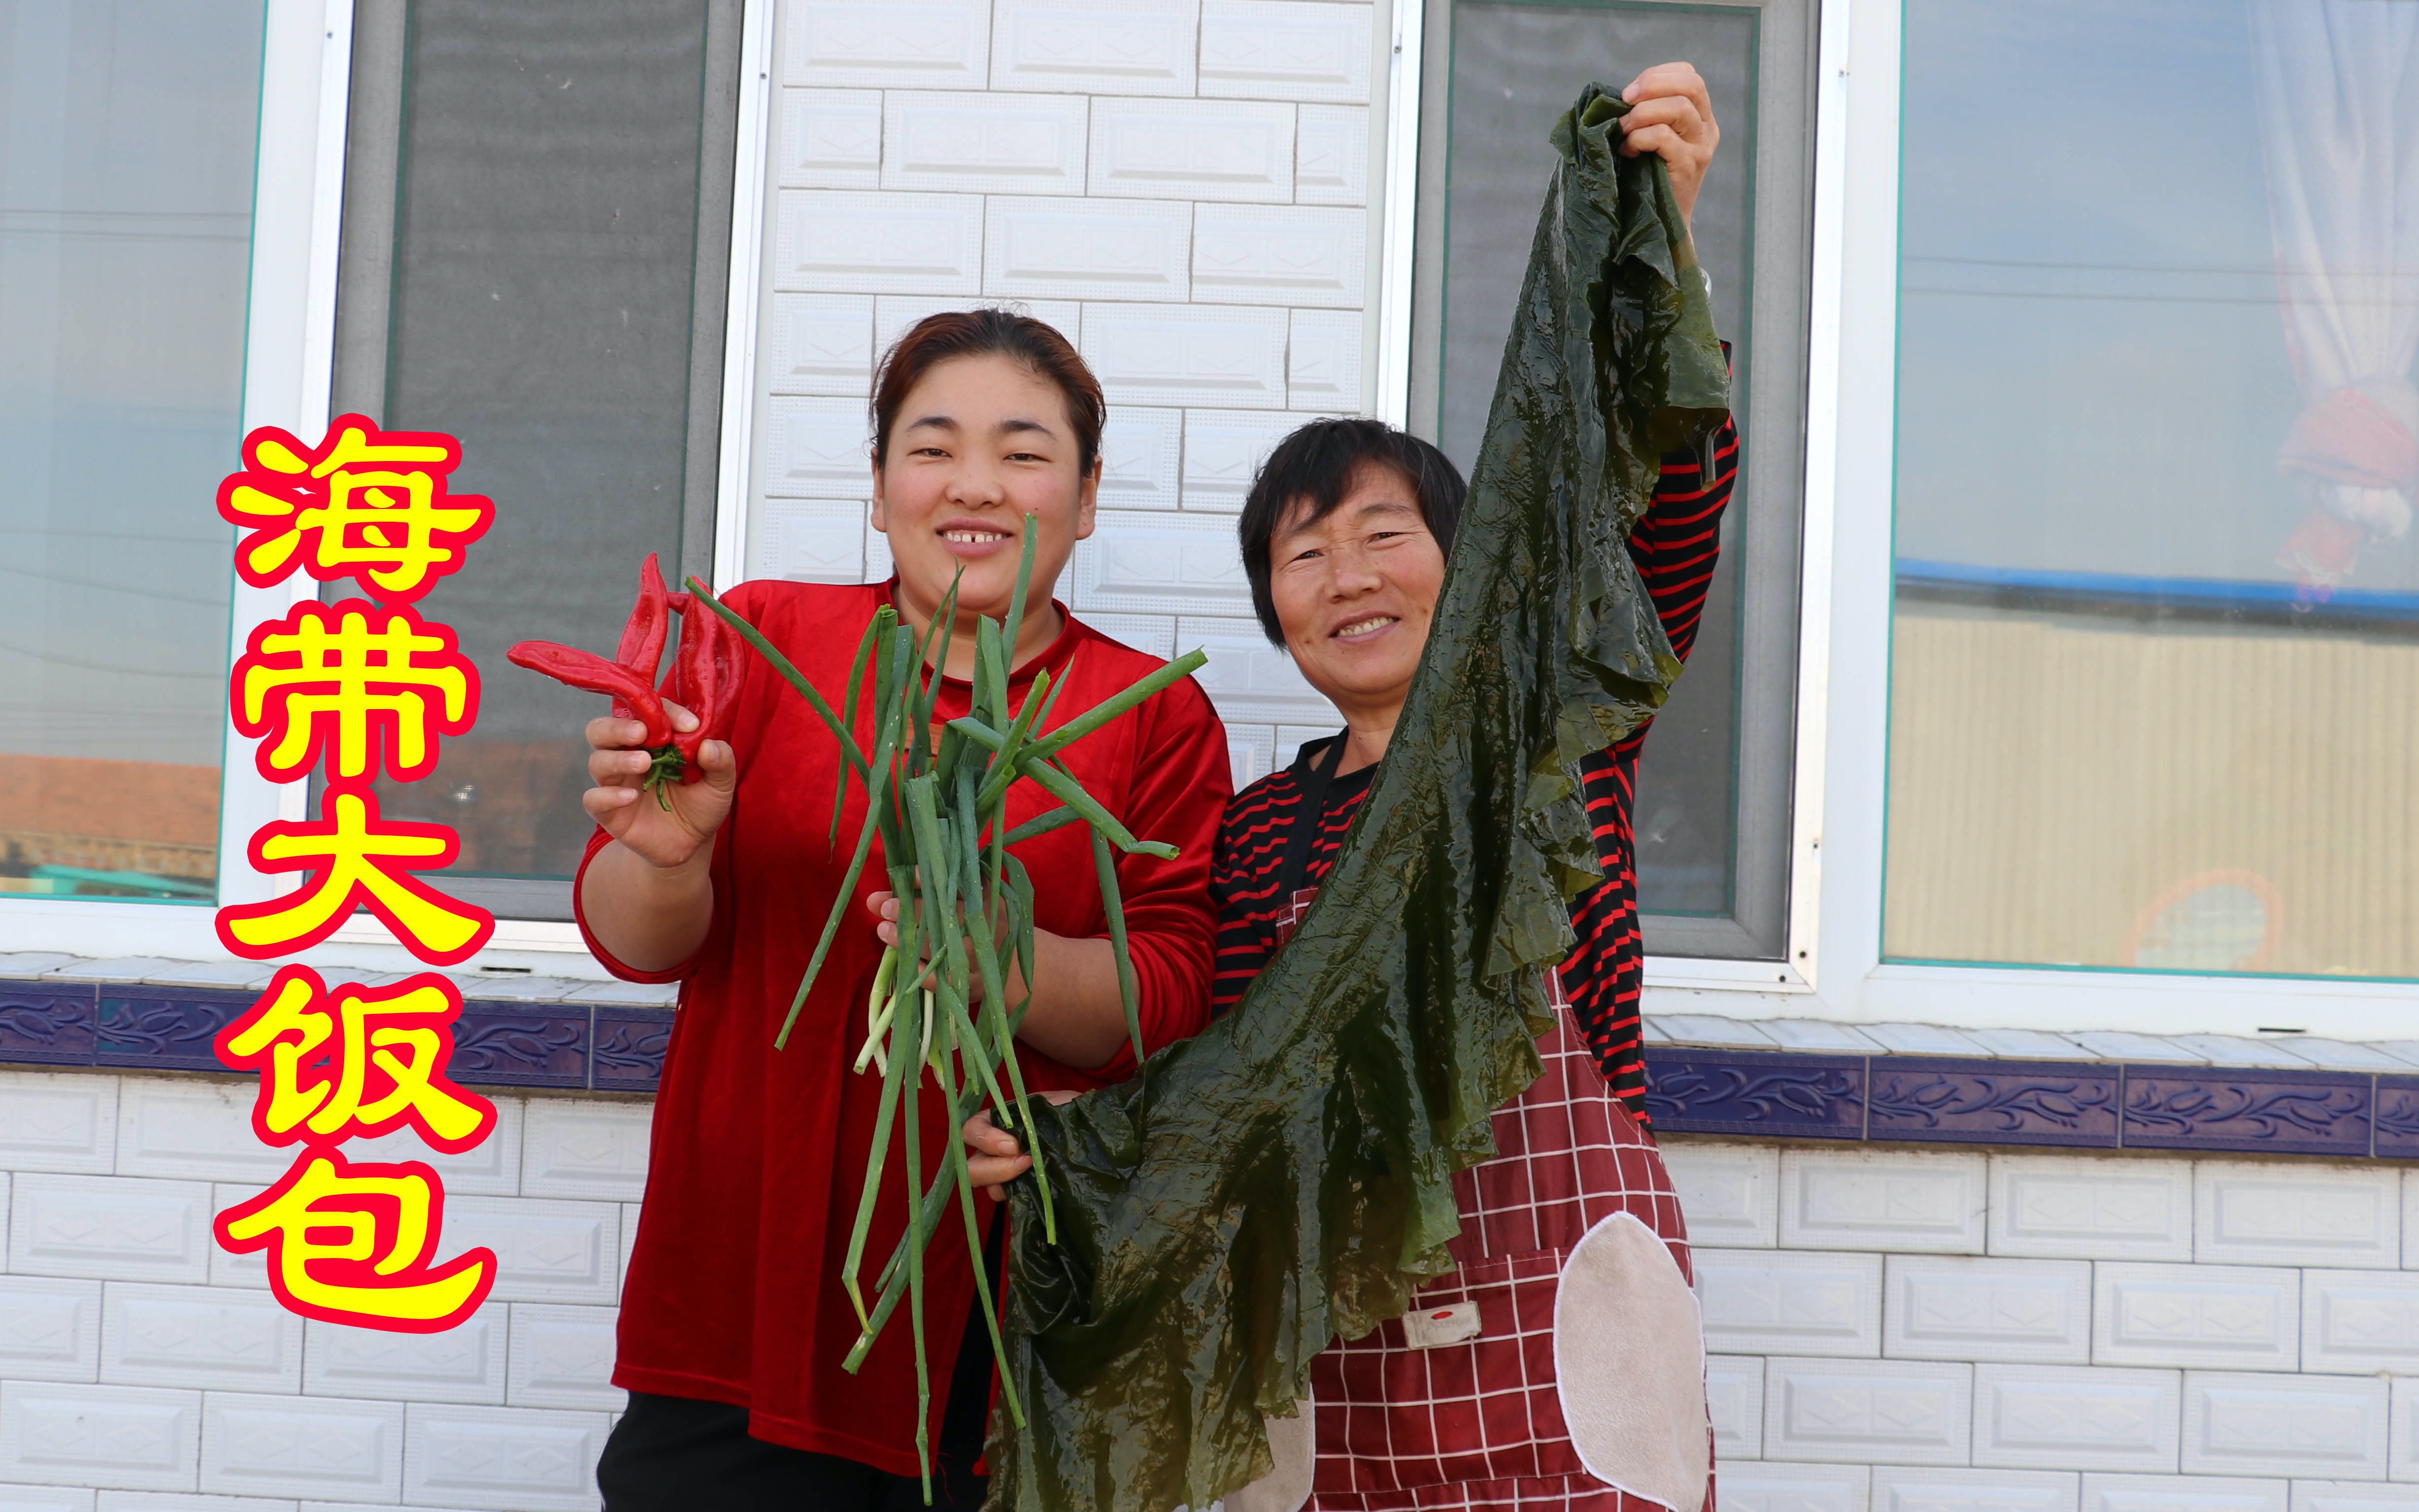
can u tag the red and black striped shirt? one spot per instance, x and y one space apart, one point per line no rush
1675 545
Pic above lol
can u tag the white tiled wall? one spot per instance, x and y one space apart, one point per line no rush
1929 1331
1182 186
1919 1331
143 1370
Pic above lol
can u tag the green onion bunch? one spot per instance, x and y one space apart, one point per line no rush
939 1007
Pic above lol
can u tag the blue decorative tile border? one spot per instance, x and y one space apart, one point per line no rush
2072 1105
613 1048
600 1047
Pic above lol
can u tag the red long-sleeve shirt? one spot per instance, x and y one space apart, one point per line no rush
1674 544
758 1156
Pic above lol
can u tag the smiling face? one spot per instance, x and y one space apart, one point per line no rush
981 444
1354 592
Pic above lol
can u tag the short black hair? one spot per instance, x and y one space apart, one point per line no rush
1315 466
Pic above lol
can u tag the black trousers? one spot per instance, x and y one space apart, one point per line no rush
672 1453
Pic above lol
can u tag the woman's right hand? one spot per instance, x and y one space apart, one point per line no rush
665 837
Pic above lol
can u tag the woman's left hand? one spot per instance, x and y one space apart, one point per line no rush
1670 114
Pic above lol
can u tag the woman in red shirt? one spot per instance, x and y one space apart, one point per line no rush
733 1321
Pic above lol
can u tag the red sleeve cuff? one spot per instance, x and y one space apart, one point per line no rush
595 947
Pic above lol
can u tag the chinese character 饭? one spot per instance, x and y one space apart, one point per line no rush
355 1062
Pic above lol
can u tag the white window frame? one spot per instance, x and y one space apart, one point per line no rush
1833 970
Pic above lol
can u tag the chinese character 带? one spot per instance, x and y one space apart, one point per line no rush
355 860
355 1062
347 680
351 1243
367 504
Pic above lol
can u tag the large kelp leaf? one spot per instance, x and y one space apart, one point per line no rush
1286 1177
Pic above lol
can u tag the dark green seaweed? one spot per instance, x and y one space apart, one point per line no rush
1286 1178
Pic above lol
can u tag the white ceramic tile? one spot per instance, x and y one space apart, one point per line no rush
1192 149
818 343
1292 737
546 1251
113 969
2092 1207
112 1228
1730 1194
1087 249
892 44
2402 1433
193 1130
1735 1403
1110 47
2249 1213
1922 1040
1250 749
810 541
2330 1427
1331 157
1153 635
1713 1030
299 1446
1862 1199
829 139
216 1338
564 1357
574 1148
2236 1050
2181 1493
856 242
492 1168
1819 1036
50 1328
2069 1417
1285 50
226 1270
1297 254
1861 1411
816 448
895 315
1768 1300
2030 1044
1224 450
1772 1486
2339 1054
59 1121
2352 1496
46 1499
184 1502
1141 457
2212 1316
2121 1045
1959 1308
1145 563
463 1363
629 1242
997 144
132 1437
1247 678
1190 355
33 962
1323 366
485 1458
1899 1489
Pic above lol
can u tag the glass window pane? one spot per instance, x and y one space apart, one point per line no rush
1515 68
2156 631
127 133
545 240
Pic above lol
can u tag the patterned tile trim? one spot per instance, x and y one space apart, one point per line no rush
2079 1106
619 1047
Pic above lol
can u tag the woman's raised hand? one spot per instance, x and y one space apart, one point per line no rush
1670 114
666 837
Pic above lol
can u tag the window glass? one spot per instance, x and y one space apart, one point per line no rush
127 133
544 235
2156 628
1712 802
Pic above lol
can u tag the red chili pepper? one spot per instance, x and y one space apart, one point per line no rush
586 669
642 639
702 680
